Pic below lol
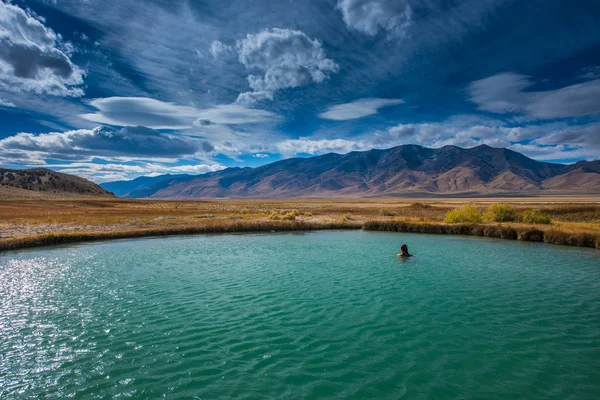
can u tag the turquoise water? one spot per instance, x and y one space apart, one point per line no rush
301 315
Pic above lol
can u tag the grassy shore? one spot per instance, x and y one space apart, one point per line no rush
30 223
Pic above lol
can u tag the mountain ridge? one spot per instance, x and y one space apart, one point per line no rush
134 187
406 170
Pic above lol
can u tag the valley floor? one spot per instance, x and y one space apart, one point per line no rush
35 222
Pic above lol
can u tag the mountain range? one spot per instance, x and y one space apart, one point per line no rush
407 170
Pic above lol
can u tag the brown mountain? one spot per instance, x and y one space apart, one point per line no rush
41 182
583 174
400 171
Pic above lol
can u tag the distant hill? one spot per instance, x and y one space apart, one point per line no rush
137 187
41 182
408 170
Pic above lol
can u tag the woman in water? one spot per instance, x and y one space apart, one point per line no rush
404 252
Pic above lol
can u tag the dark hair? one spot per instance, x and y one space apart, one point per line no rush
404 250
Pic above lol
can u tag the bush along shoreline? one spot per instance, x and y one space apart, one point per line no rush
500 221
498 231
529 233
48 239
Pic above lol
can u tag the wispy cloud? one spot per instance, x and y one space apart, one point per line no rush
123 111
358 108
506 93
4 103
234 114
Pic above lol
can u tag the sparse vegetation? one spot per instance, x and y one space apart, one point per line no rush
422 206
386 212
575 213
284 215
535 217
25 223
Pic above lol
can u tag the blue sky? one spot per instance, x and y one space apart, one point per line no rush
117 89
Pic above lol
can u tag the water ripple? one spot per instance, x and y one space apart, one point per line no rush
317 315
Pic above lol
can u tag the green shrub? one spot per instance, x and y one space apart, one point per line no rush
284 215
500 213
535 217
289 216
465 214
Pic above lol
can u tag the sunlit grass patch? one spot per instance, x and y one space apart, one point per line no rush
465 214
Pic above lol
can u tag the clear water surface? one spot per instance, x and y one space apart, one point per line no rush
301 315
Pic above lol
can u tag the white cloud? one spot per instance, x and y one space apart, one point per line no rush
463 132
234 114
84 144
445 133
260 155
506 93
250 99
358 108
112 172
321 146
124 111
543 142
583 135
217 48
4 103
371 16
286 59
33 57
556 152
247 145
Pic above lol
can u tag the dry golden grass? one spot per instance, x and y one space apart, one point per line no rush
25 223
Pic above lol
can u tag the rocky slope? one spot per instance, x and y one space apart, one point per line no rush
41 182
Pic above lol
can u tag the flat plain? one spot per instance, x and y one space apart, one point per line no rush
575 220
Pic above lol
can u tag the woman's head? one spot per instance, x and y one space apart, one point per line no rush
404 249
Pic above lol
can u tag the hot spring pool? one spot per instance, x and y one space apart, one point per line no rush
301 315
